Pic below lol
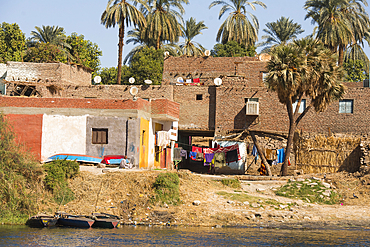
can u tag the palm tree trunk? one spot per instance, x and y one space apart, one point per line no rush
120 49
292 127
341 55
158 43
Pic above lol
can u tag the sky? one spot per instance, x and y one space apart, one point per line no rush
83 17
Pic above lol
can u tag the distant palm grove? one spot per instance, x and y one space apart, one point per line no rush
157 29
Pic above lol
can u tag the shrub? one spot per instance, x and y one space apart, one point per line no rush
166 187
58 172
233 183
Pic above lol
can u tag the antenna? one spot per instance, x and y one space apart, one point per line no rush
207 53
131 80
166 54
217 81
148 81
97 79
134 91
180 80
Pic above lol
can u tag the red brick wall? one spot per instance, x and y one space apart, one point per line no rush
165 106
28 130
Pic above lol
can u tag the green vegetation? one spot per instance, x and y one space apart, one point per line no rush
166 187
12 43
45 53
233 183
20 178
58 172
233 49
308 191
355 70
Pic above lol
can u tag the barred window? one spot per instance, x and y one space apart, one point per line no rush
346 106
99 136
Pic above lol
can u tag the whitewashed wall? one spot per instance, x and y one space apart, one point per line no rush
63 134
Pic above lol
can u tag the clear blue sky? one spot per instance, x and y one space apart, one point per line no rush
83 17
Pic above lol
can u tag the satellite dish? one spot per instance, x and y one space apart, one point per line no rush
207 53
148 81
180 80
166 54
97 79
217 81
131 80
134 91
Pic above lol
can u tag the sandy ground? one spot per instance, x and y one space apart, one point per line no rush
127 193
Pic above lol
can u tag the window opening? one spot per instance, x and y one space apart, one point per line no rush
99 136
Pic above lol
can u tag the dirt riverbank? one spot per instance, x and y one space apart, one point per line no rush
207 202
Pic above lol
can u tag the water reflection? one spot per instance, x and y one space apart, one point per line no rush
180 236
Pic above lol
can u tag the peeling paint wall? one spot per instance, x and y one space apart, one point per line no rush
63 134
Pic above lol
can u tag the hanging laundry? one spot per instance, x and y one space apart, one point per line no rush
280 155
270 154
220 160
232 156
184 153
192 155
248 150
200 157
254 151
188 81
208 158
163 138
196 80
262 170
176 154
196 149
209 150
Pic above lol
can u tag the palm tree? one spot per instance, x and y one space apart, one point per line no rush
280 32
303 68
237 26
163 21
340 22
192 29
135 37
121 13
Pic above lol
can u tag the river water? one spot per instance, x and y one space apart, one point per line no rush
181 236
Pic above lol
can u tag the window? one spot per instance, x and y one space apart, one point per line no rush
346 106
199 96
302 107
99 136
264 75
246 100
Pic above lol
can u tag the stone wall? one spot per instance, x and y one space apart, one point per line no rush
48 73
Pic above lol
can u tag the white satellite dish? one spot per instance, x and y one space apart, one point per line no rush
217 81
134 91
207 53
97 79
148 81
166 54
131 80
180 80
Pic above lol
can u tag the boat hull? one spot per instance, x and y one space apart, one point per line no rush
41 221
76 222
106 223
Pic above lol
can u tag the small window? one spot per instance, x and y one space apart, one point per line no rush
99 136
302 106
346 106
264 75
199 96
246 100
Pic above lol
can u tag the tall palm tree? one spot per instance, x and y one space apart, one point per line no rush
137 38
237 26
340 22
280 32
121 13
303 68
163 22
192 29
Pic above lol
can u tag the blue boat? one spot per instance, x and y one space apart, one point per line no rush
81 158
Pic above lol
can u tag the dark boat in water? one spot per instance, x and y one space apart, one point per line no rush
103 220
42 220
75 221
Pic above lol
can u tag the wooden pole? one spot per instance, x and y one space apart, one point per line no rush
259 150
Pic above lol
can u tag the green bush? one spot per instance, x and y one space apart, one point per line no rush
166 187
233 183
58 172
20 176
